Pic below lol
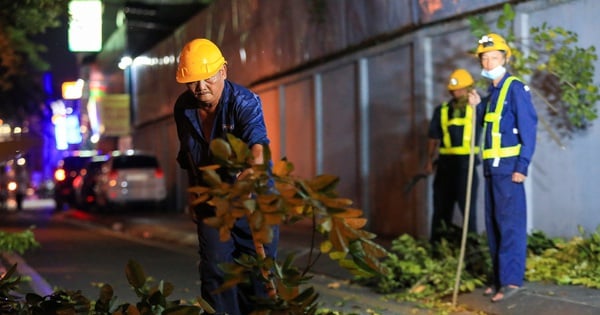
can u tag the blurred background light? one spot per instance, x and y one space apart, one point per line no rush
85 25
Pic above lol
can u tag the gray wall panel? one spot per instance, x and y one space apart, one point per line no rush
391 135
340 129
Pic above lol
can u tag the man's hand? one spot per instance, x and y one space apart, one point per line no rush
432 147
474 98
257 159
518 177
245 173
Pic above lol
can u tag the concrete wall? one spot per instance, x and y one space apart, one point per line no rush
351 95
563 190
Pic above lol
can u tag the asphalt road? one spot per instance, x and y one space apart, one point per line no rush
79 257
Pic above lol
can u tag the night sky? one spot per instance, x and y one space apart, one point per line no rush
63 63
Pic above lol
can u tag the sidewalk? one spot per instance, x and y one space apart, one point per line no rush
331 281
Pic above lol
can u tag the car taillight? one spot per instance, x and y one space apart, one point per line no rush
77 181
60 175
158 173
113 175
112 178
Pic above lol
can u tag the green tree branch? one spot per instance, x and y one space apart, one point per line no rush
561 73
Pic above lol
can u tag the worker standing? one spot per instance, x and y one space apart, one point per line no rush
509 138
450 134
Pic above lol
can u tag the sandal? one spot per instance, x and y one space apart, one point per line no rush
489 291
505 293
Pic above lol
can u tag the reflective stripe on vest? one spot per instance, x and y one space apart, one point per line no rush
465 122
496 150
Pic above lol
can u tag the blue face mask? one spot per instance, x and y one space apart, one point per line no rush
494 73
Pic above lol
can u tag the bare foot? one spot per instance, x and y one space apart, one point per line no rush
488 291
505 293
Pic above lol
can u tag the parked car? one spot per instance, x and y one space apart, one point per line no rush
67 170
131 177
84 184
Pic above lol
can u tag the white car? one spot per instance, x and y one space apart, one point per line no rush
131 177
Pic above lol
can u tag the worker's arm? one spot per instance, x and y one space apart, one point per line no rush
432 149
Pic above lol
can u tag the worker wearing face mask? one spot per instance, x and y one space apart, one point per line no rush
509 137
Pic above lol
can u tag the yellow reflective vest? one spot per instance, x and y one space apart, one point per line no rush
465 122
492 119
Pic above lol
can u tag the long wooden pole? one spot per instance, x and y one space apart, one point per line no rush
467 211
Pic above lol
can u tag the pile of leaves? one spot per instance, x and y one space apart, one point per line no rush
17 242
426 273
572 262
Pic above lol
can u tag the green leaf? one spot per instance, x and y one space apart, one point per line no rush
240 149
205 305
135 274
324 182
220 149
250 204
212 178
337 255
508 12
326 247
501 24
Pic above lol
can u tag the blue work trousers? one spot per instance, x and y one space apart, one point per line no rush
506 225
213 252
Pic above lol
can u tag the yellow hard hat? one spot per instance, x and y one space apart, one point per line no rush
492 42
200 59
459 79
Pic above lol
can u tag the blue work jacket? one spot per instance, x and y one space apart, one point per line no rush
518 125
239 112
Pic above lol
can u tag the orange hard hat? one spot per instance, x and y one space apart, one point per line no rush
492 42
459 79
199 60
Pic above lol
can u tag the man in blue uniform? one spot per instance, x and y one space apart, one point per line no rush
211 107
510 124
450 134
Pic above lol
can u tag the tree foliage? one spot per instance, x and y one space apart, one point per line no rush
17 242
273 196
559 72
21 61
19 20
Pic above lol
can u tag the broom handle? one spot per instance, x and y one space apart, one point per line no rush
463 242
